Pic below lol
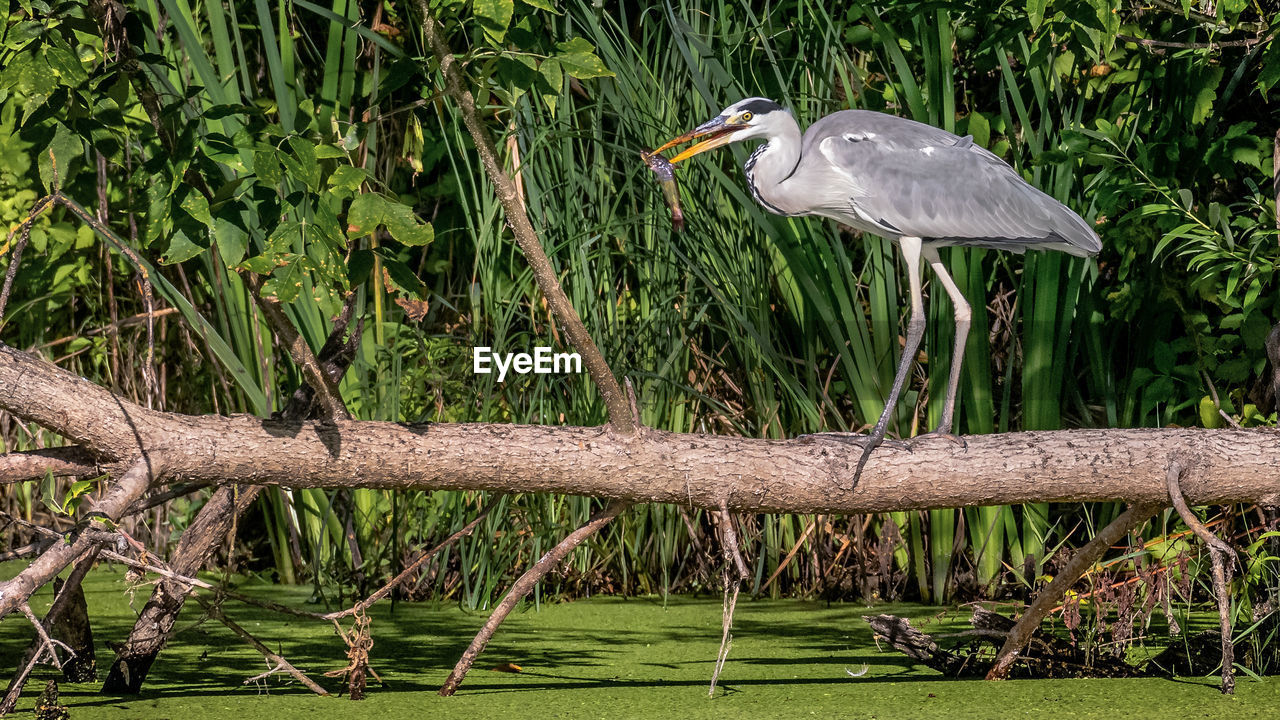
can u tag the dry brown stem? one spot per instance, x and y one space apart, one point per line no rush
732 553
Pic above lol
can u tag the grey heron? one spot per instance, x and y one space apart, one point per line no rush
922 187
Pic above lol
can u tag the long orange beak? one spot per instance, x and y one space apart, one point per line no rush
718 131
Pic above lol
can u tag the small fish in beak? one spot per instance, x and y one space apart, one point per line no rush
670 190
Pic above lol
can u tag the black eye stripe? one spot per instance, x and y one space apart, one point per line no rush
759 106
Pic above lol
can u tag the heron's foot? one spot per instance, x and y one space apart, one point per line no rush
939 435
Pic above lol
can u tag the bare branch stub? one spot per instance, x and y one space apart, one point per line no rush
24 465
524 585
326 389
1222 557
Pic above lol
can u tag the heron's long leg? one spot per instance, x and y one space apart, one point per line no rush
963 315
915 331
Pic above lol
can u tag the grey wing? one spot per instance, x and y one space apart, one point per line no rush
944 188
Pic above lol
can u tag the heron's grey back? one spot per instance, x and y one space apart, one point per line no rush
913 179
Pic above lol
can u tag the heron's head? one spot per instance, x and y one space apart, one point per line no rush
751 118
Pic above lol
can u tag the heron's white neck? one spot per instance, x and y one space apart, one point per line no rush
772 164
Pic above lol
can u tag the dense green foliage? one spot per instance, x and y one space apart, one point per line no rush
334 166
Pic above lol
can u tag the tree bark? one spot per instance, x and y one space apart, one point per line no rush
30 464
747 475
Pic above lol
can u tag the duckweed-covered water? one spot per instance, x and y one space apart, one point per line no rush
600 658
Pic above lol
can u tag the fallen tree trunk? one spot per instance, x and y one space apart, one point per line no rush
805 475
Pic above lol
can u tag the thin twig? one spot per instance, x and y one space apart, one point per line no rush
1156 46
46 643
216 613
410 570
60 605
16 256
790 554
1200 17
1213 395
177 491
325 387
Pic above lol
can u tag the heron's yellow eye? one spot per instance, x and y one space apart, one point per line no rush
746 116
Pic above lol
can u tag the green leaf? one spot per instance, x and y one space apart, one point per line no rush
266 166
181 248
49 491
64 64
578 58
20 33
402 277
71 501
1204 103
1209 416
494 16
302 163
195 205
1186 197
33 79
1269 68
1035 12
329 152
281 239
286 282
260 264
553 77
360 266
980 128
55 160
371 210
232 242
542 5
